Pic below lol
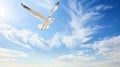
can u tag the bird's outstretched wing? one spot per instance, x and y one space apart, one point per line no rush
34 13
54 8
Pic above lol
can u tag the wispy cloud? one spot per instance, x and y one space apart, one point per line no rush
107 49
21 37
72 59
103 7
15 36
80 25
28 39
11 55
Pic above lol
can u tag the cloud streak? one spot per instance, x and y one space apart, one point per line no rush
28 39
108 47
7 55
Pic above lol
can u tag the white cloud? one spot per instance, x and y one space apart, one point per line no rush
105 52
4 27
72 59
10 55
28 39
103 7
37 41
20 37
79 24
55 41
108 47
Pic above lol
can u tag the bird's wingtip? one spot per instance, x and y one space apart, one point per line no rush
21 3
58 2
25 6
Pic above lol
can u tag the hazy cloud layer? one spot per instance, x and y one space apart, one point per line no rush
11 55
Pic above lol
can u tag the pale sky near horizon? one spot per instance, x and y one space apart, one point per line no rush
86 33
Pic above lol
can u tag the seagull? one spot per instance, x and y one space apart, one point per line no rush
47 21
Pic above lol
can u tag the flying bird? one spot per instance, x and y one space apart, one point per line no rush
47 21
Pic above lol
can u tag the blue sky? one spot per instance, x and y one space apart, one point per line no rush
85 33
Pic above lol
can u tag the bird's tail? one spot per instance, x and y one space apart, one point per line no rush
43 26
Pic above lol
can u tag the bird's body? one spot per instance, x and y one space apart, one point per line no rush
47 21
